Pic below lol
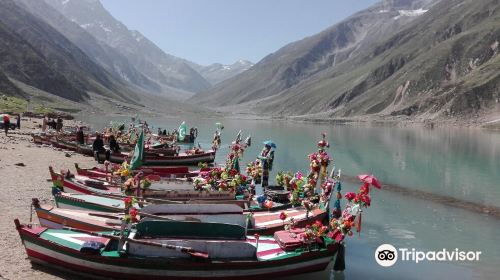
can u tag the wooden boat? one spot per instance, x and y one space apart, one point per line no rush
114 203
173 138
168 193
175 250
169 189
261 222
42 139
267 220
154 159
162 171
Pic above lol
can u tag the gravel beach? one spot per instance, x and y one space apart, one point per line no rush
24 175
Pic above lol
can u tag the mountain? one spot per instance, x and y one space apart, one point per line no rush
302 59
102 54
217 72
166 70
406 58
35 54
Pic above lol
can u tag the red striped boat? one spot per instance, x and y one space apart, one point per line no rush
221 252
175 189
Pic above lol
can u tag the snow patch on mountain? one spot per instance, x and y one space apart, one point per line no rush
410 13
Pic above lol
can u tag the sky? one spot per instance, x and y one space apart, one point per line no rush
224 31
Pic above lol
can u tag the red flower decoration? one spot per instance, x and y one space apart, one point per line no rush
365 199
283 216
318 223
133 214
350 196
128 202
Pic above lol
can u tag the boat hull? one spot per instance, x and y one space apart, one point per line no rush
57 256
158 160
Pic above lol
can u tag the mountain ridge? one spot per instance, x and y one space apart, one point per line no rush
168 71
419 70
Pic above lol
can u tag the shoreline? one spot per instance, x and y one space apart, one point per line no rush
21 184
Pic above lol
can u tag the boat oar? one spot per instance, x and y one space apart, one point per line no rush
186 250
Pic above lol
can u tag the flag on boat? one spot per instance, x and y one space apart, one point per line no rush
182 131
138 156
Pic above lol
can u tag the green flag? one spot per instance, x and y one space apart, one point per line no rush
182 132
138 156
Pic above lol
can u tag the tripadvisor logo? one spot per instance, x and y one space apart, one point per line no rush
387 255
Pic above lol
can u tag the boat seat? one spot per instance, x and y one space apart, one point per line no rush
289 240
159 209
185 229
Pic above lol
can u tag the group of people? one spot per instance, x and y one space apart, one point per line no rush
56 124
164 132
193 133
98 146
6 123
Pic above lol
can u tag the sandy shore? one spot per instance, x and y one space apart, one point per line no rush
19 185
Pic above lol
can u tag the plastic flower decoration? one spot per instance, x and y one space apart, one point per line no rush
283 217
342 226
254 170
146 183
129 201
284 179
133 215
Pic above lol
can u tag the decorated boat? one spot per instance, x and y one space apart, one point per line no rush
189 157
261 222
162 171
42 138
179 250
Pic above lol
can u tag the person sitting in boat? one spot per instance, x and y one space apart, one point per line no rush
52 124
80 137
216 141
267 158
193 133
98 147
113 144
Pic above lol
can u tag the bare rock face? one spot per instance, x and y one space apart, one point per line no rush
149 60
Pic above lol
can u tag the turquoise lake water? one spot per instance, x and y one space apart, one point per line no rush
462 165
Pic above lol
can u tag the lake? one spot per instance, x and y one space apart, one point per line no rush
445 166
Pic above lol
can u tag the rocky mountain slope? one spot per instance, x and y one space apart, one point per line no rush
34 53
101 53
417 59
166 70
217 72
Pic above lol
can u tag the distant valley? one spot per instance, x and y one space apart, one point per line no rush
399 60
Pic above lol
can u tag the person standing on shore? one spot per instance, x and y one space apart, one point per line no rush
6 123
45 121
80 137
18 121
59 124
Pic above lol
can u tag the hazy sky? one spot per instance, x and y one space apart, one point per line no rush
208 31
